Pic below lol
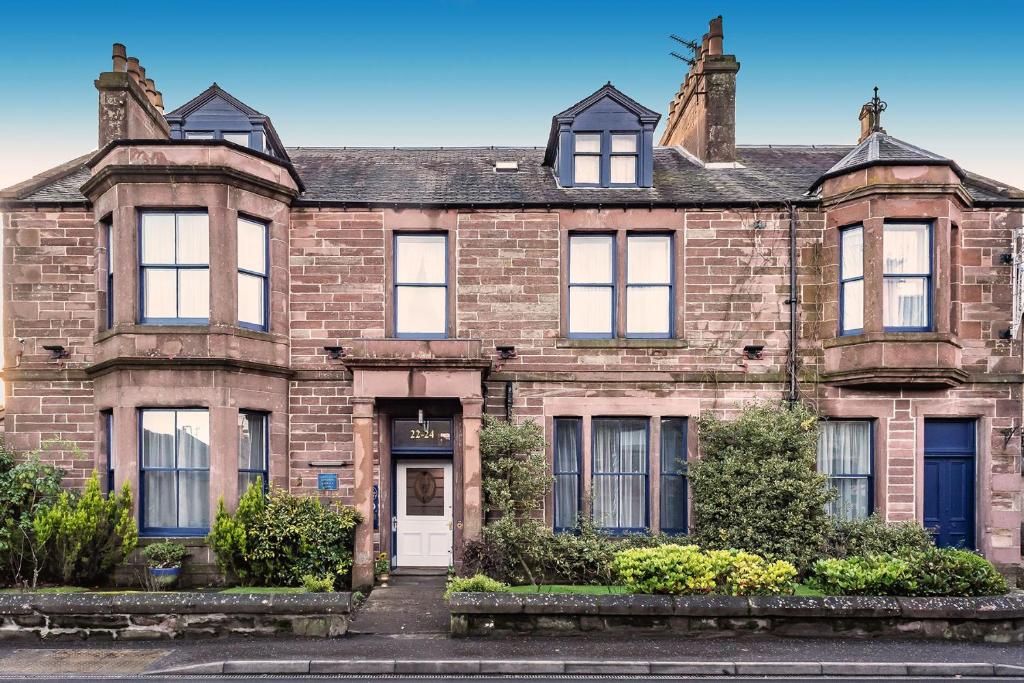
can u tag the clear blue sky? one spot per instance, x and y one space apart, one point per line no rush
469 72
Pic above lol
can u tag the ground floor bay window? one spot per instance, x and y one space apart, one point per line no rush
174 471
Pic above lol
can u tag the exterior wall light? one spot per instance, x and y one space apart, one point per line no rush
334 352
753 351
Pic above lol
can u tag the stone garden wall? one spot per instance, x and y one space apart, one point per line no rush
991 619
154 616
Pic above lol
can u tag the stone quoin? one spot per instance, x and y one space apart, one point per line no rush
219 307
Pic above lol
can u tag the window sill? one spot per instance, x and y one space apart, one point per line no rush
620 343
188 329
864 338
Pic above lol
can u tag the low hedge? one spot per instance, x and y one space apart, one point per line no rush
935 572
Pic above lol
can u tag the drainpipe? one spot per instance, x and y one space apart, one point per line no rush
794 302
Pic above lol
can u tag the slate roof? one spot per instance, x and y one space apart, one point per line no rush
880 148
202 98
466 176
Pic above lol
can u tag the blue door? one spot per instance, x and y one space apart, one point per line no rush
949 449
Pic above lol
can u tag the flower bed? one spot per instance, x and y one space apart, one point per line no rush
991 619
154 616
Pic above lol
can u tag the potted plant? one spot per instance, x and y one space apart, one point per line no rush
163 562
381 567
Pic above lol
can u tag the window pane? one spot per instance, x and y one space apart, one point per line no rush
566 467
590 259
161 500
904 302
252 246
590 310
420 259
193 500
247 479
853 305
853 253
158 438
649 259
252 445
420 310
193 438
852 500
906 249
198 136
673 492
588 143
587 170
647 310
250 299
620 445
623 169
673 445
844 447
624 143
193 238
194 293
620 466
157 238
161 293
237 138
111 249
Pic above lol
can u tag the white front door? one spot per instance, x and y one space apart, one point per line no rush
423 491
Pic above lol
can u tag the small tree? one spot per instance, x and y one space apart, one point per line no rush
27 486
755 486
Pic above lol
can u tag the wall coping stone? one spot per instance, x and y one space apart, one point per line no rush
176 603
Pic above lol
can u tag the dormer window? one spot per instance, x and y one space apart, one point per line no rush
216 115
606 140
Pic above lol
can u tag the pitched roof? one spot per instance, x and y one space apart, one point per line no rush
202 98
882 149
466 176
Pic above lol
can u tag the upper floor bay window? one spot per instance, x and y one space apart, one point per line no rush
648 286
605 159
253 449
851 280
844 455
175 267
421 285
108 229
253 269
592 286
907 277
619 473
174 459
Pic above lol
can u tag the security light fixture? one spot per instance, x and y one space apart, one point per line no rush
753 351
1006 334
1006 258
334 352
57 351
506 352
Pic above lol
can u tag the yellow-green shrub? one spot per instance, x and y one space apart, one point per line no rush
686 570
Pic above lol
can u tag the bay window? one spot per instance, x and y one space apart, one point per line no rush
648 286
851 280
844 455
619 473
592 286
252 274
174 471
567 449
253 449
674 499
906 286
175 267
108 228
421 285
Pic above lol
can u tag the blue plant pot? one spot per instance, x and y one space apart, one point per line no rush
165 577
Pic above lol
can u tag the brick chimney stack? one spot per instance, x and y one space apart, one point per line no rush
702 116
131 108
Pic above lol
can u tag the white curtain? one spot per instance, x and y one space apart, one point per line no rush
620 473
176 463
844 454
905 299
567 476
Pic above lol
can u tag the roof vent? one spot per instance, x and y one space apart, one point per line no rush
506 166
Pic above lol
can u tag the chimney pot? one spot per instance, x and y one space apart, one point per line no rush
120 57
133 68
716 36
159 96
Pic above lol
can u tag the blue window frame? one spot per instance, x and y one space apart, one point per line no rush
619 486
567 470
109 230
605 159
174 469
420 291
649 293
108 447
174 258
674 494
851 280
253 449
253 274
907 276
591 310
846 457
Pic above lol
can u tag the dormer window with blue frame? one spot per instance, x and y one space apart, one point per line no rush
215 114
603 141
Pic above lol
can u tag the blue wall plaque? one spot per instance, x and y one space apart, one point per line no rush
327 482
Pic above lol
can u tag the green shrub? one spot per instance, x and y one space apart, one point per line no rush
755 486
874 536
685 570
581 557
27 486
474 584
85 536
165 555
323 584
274 539
930 573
